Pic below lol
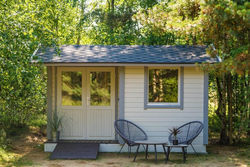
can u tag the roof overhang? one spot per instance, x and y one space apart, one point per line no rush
116 64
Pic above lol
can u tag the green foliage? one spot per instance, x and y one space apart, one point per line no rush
22 92
24 26
3 138
178 19
27 24
226 26
8 159
38 120
230 34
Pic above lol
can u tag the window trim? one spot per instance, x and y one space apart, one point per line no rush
164 105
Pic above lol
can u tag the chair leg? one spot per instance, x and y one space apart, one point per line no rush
144 147
129 150
194 149
136 152
168 153
155 153
184 154
121 148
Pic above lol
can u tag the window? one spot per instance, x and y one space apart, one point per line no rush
163 88
71 88
100 88
163 85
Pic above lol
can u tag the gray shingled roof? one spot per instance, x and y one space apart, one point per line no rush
126 54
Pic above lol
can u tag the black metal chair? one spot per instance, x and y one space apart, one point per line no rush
129 132
188 132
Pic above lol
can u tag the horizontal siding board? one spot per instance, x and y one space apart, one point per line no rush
137 76
164 116
146 125
193 81
193 95
141 100
133 71
139 110
194 105
134 80
134 94
194 100
137 90
137 86
134 99
192 76
187 105
134 105
192 91
161 129
180 119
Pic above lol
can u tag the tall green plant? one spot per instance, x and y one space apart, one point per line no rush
55 122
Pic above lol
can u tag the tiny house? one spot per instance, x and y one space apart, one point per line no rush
156 87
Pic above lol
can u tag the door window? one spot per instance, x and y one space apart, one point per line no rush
100 88
71 88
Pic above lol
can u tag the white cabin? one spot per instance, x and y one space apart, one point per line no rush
156 87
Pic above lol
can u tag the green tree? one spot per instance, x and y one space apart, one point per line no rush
24 25
224 25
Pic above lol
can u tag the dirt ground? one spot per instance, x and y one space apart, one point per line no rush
27 150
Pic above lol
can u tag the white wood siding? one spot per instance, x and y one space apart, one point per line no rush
157 122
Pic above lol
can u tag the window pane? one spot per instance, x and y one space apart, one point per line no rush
100 88
163 85
71 88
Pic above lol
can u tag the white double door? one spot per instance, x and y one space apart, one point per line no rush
86 102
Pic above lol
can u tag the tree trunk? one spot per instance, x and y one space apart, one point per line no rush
247 97
79 29
230 107
112 6
221 110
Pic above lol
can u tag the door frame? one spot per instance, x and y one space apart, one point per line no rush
112 100
86 97
82 108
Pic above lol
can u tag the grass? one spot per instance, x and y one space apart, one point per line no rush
40 120
27 150
9 158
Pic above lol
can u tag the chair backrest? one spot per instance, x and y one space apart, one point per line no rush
129 131
188 132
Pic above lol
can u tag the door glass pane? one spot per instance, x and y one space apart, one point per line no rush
71 88
100 88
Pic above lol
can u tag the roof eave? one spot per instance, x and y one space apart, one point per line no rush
119 64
